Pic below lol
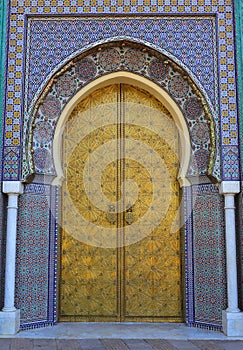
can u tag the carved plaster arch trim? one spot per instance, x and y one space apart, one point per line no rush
141 82
172 70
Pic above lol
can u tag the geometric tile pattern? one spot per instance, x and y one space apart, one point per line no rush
34 267
204 254
93 67
231 161
209 255
10 163
113 58
190 40
220 12
196 51
3 26
239 42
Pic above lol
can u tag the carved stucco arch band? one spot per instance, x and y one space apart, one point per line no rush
144 67
138 81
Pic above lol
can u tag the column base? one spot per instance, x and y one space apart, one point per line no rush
232 323
9 322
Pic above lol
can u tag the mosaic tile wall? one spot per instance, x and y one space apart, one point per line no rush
206 254
217 70
239 198
74 80
239 41
36 256
34 55
138 60
239 245
3 13
70 36
3 207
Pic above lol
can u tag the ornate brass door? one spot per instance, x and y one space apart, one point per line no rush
120 242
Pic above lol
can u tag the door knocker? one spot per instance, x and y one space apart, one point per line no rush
129 216
111 214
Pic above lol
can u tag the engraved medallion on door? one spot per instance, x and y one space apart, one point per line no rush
120 242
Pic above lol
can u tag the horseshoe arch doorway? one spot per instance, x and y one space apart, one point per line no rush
121 159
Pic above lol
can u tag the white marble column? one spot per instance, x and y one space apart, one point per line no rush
10 316
232 318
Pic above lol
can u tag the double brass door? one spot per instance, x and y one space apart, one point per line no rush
120 243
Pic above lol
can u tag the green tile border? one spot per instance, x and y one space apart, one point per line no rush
239 43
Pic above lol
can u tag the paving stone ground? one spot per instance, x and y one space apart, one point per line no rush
118 344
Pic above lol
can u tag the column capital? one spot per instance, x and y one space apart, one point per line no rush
15 187
229 187
184 182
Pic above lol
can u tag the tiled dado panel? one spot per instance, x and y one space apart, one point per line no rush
206 270
36 256
181 40
36 275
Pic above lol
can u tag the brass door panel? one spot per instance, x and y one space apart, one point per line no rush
126 282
